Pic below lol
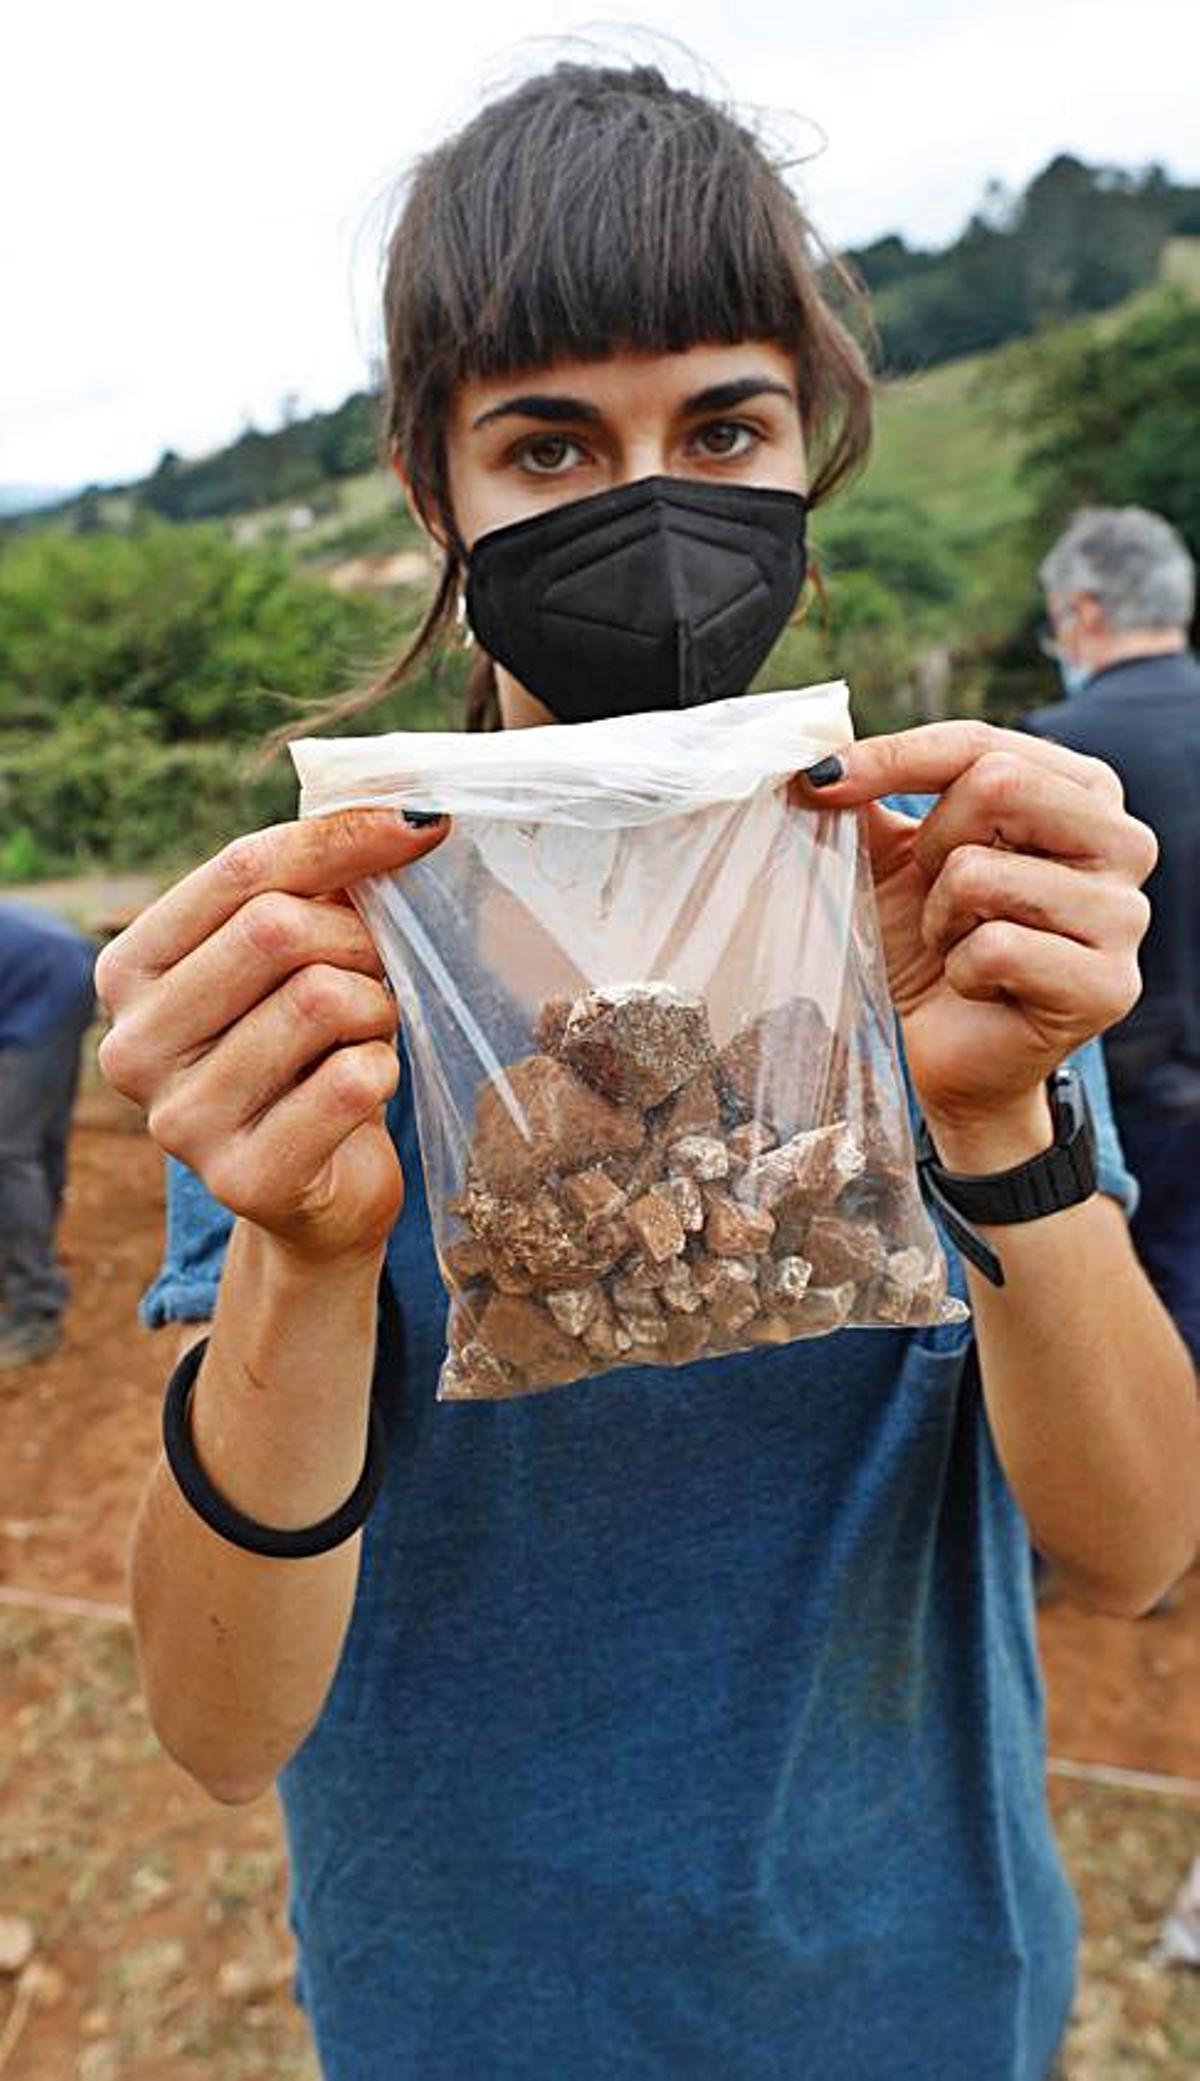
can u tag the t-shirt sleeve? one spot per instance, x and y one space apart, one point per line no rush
198 1229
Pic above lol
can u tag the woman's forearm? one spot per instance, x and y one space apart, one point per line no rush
1092 1402
237 1651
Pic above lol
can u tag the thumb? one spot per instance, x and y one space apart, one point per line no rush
889 838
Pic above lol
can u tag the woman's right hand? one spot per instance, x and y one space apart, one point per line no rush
252 1021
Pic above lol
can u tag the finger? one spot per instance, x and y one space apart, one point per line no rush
268 939
929 759
296 1139
315 857
1075 986
1002 800
316 1011
273 1167
980 882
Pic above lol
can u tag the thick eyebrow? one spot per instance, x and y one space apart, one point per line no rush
720 397
555 410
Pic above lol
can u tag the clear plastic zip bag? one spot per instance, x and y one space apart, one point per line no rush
658 1095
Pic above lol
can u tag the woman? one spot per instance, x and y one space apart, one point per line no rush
686 1723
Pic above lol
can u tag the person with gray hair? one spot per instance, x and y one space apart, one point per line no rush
1120 591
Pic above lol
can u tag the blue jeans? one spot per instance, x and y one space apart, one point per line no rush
1163 1152
37 1095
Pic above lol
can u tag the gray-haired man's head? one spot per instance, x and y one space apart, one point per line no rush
1119 584
1133 563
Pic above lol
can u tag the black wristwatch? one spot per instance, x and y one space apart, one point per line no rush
1061 1176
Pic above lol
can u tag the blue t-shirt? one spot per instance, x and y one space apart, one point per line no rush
688 1724
45 975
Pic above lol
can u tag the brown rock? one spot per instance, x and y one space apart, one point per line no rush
575 1308
699 1156
815 1166
508 1278
552 1024
635 1298
769 1329
785 1281
645 1322
687 1338
642 1271
729 1289
678 1289
823 1308
464 1259
734 1230
639 1044
716 1274
745 1143
654 1220
908 1289
839 1249
592 1196
476 1371
783 1067
533 1242
734 1313
606 1338
647 1168
543 1119
688 1201
793 1219
526 1336
693 1109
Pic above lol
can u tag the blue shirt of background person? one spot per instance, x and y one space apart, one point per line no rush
45 974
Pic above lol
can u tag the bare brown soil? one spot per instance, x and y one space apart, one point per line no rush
161 1952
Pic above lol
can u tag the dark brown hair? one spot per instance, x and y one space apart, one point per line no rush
595 209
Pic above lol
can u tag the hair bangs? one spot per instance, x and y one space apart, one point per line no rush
579 237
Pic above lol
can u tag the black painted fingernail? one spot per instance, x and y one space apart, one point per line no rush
422 819
825 772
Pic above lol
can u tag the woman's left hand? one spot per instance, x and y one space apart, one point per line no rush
1011 918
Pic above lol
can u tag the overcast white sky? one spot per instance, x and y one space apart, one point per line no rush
192 193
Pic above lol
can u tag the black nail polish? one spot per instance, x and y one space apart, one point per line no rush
422 819
825 772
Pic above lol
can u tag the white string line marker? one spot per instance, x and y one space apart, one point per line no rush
55 1605
1116 1775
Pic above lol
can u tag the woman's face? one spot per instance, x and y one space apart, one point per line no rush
517 445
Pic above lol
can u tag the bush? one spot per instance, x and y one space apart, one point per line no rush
177 625
139 676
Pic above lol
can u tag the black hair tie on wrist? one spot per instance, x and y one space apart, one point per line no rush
231 1524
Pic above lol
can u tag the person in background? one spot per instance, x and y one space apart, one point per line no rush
46 1006
1120 592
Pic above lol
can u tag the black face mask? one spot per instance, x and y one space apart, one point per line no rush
661 594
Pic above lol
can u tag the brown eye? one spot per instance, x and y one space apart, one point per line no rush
547 454
726 438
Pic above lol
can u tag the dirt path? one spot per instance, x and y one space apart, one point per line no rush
161 1949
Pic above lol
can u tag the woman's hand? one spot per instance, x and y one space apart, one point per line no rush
1011 918
251 1020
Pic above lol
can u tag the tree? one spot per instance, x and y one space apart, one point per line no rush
1115 417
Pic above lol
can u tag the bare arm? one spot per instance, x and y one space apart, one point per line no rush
250 1019
237 1652
1091 1397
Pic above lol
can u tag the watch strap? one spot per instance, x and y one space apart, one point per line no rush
1061 1176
